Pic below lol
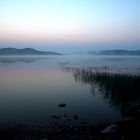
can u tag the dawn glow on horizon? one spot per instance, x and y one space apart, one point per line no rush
70 20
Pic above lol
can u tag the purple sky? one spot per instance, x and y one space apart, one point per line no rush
70 24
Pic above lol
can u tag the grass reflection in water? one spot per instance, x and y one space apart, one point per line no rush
121 90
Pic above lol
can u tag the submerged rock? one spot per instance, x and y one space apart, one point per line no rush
62 105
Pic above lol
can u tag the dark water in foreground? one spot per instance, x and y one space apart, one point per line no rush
31 88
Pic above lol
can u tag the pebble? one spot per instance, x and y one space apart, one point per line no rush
62 105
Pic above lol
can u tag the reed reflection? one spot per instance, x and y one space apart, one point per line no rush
121 90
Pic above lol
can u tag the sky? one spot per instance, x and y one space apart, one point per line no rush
70 24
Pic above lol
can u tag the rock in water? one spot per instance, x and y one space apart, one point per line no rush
112 132
112 129
62 105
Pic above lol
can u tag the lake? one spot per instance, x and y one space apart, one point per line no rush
33 87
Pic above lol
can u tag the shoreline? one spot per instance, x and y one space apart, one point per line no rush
129 128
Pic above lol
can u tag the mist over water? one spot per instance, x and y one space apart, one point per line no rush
32 87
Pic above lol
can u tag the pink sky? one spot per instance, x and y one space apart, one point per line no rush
74 21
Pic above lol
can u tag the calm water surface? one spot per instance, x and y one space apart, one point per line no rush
31 88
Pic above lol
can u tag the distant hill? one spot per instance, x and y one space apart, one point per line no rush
115 52
25 51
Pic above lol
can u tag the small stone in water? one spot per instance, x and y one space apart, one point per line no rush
62 105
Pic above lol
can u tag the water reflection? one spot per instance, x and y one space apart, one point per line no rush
16 59
31 92
121 90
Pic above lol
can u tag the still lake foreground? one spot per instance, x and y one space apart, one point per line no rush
67 96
